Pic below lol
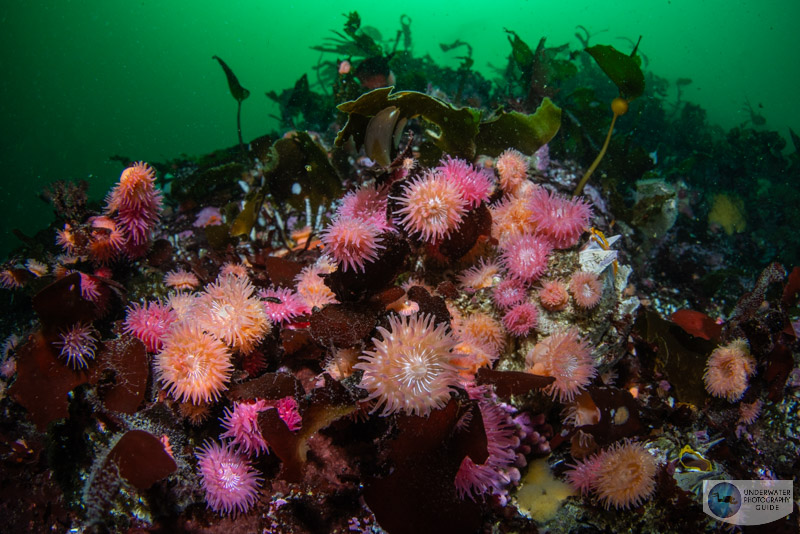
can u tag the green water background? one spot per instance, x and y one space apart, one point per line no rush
83 80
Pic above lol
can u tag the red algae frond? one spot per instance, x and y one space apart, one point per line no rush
411 368
728 370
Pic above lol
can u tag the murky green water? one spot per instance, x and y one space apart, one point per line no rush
82 81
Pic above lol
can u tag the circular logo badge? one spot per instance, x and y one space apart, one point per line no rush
724 500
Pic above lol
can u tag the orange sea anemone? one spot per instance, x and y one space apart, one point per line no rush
229 311
567 358
728 370
411 368
193 366
586 289
626 475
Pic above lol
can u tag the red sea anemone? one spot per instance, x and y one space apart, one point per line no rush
586 289
560 219
410 369
728 370
136 202
431 207
193 366
567 358
352 242
230 482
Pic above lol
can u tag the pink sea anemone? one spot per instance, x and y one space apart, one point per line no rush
512 166
560 219
508 293
282 304
208 216
311 287
410 369
583 475
500 467
586 289
431 207
367 203
475 185
289 412
521 319
352 242
241 427
525 257
150 323
565 357
77 344
106 239
230 482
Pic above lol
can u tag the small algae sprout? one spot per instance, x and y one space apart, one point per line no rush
238 92
626 73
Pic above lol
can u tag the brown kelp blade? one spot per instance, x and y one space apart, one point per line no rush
238 92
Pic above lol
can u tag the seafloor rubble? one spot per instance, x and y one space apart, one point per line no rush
413 327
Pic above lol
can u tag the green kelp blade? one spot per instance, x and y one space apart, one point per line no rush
520 51
458 127
238 92
526 133
296 169
246 219
624 70
302 171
